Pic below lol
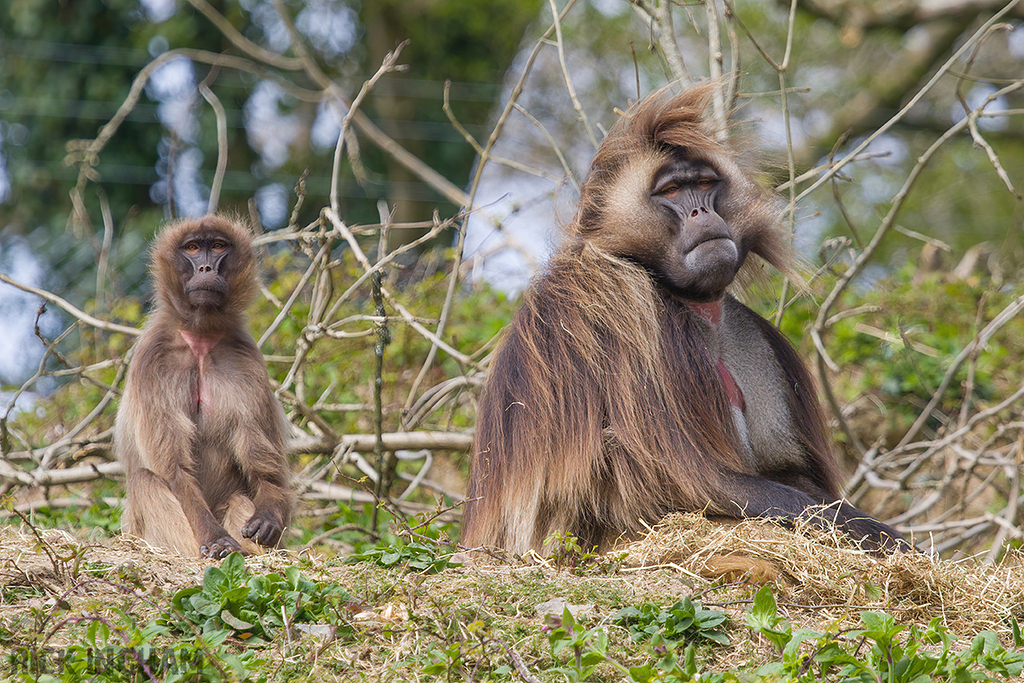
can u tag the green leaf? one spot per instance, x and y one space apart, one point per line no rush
778 638
642 674
213 639
233 568
690 661
390 556
435 668
235 596
798 637
764 611
178 602
986 640
876 621
715 637
237 667
214 581
234 622
293 577
204 605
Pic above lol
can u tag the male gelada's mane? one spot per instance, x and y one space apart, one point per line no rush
611 401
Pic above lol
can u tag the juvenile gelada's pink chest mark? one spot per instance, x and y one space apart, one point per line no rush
201 345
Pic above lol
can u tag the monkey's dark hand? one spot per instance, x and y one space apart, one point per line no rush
264 527
221 546
877 536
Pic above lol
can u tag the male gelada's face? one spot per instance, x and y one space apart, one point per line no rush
663 211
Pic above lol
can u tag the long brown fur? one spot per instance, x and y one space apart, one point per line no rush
604 409
195 476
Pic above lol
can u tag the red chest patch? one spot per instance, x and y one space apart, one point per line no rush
731 388
712 313
201 345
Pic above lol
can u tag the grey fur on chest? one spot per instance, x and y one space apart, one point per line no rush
767 423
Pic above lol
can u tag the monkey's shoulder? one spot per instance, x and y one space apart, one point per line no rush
590 287
157 345
743 324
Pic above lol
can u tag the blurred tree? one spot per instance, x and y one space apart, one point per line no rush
65 73
468 42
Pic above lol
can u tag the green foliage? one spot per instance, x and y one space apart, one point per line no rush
100 515
428 554
566 550
414 557
901 344
589 649
255 609
455 660
807 655
110 654
685 620
567 553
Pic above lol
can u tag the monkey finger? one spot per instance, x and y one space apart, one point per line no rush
220 548
877 536
264 531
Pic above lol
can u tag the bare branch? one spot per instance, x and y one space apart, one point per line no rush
74 311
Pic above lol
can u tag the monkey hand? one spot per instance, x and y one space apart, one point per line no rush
264 527
221 546
877 536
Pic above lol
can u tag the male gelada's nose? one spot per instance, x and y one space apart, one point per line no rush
696 212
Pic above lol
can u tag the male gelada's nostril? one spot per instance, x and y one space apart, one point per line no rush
693 214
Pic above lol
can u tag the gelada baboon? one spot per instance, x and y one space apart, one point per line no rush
199 431
630 383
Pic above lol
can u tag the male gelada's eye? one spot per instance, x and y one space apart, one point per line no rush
191 247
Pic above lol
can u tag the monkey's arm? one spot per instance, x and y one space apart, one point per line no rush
260 453
266 469
746 495
784 490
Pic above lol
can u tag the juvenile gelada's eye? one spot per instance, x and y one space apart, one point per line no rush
191 247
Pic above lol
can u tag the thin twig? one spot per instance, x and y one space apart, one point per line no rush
576 104
73 310
222 143
485 156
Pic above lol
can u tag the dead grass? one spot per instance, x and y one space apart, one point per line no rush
824 571
490 610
